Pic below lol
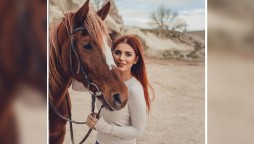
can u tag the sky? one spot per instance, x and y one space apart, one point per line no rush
137 12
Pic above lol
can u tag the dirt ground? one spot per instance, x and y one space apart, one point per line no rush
178 110
230 97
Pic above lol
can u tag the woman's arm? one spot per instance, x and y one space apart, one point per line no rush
137 108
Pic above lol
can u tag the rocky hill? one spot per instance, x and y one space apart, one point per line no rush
170 44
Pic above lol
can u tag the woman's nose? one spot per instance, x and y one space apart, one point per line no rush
121 57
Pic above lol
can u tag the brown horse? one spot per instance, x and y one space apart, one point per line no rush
79 49
23 57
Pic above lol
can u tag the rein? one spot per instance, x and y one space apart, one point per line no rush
89 84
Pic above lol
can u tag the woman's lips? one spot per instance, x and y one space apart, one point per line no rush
120 64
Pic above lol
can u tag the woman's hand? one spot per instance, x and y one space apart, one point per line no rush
91 120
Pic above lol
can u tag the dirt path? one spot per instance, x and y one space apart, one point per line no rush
178 110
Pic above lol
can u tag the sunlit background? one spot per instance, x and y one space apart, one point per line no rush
137 13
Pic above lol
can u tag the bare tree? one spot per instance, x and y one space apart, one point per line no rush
179 25
164 19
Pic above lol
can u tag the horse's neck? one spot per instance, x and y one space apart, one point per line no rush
59 95
59 85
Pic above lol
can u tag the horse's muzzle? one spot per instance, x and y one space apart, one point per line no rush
117 99
104 103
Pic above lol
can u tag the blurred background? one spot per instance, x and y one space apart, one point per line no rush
23 71
173 36
230 72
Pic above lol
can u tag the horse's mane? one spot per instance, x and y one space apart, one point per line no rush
96 29
93 23
55 79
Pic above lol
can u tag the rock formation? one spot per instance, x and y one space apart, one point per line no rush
175 45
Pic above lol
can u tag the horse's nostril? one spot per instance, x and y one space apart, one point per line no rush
117 99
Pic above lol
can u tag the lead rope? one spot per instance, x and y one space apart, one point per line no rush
97 116
69 113
92 111
60 115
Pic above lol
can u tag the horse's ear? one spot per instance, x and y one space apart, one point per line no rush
81 14
103 12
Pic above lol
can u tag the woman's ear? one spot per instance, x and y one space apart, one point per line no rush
136 60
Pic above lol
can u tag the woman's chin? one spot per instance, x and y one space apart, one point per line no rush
121 69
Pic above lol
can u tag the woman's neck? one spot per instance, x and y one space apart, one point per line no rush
126 75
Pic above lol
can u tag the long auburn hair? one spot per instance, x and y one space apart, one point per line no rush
138 70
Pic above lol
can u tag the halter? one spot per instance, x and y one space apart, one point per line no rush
87 80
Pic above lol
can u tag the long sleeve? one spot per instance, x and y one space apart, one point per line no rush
137 109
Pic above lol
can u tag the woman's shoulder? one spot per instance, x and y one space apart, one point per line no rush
134 86
133 83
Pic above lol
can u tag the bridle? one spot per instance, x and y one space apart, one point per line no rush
98 93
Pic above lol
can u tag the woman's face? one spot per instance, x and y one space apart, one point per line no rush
124 56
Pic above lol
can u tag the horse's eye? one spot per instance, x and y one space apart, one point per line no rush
87 46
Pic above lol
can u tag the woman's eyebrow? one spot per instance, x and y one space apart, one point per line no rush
128 52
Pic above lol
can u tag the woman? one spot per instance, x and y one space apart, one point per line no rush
124 126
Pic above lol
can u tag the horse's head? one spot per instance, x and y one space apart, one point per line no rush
86 45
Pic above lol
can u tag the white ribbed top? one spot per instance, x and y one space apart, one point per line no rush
127 124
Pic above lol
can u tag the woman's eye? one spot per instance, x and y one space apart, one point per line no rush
128 55
87 46
117 52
